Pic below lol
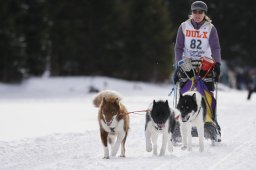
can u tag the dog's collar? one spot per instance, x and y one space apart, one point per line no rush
157 128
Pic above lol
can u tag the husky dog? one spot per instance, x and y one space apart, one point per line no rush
160 119
113 121
193 109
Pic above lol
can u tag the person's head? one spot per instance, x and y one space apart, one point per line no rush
199 10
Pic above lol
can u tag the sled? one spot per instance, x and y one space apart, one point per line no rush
193 74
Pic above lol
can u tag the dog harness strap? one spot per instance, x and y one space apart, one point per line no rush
196 114
156 127
112 129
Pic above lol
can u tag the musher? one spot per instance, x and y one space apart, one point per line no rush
197 38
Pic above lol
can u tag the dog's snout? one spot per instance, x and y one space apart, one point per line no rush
108 123
161 125
185 118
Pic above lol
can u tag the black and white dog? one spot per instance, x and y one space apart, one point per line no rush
160 119
192 108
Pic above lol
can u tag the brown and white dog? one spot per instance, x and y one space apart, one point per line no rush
113 121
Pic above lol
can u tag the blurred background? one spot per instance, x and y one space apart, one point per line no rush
132 40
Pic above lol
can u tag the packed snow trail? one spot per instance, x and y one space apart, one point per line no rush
61 132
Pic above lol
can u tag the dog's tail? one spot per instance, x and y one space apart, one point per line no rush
107 94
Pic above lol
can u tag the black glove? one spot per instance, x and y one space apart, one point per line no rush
217 71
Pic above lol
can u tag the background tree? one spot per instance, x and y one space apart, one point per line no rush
148 51
132 40
11 41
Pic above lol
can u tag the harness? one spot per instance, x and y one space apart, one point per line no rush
112 130
203 73
195 114
157 128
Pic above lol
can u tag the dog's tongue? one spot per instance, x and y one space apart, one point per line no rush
161 125
108 123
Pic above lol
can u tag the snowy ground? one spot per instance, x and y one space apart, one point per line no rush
48 124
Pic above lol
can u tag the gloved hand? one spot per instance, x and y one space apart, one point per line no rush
217 71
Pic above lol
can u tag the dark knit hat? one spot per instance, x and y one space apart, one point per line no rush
199 5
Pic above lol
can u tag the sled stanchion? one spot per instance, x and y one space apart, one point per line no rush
216 102
216 97
175 90
176 95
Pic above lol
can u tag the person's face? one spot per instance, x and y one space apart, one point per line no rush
198 15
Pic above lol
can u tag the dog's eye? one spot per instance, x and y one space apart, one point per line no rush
104 117
114 113
113 117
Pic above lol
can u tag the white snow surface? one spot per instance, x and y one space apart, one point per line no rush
51 124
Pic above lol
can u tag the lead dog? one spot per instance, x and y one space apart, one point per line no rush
193 109
113 121
160 119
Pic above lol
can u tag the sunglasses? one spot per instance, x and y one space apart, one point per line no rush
197 11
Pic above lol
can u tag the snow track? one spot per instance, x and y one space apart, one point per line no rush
63 134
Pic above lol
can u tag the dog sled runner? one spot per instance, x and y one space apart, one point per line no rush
198 75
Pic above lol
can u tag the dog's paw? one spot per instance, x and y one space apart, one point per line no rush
162 153
170 149
122 156
155 153
113 154
149 148
201 149
183 147
213 143
114 151
175 143
106 157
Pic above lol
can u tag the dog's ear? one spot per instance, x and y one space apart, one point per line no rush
194 97
178 105
116 100
154 102
104 100
181 95
166 102
117 103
